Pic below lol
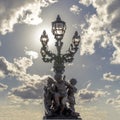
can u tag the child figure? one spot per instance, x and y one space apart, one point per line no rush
71 91
61 92
48 96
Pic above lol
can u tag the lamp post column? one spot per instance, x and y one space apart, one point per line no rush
58 92
59 61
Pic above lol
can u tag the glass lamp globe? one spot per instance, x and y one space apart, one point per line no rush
76 39
58 28
44 38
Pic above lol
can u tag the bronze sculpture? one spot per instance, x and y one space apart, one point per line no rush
59 100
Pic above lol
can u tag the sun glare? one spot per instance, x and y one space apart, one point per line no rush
39 32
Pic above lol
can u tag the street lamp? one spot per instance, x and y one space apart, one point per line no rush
58 28
44 38
59 60
76 39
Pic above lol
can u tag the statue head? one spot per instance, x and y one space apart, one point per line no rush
50 81
58 77
73 81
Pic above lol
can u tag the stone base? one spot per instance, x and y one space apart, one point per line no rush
60 117
66 114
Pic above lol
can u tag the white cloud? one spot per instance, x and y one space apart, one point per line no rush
85 2
90 95
18 68
32 89
117 91
18 101
114 101
16 113
23 63
110 77
3 87
116 57
86 95
2 74
96 30
32 85
103 26
103 58
92 113
32 54
16 11
0 43
107 86
5 66
84 66
75 9
89 85
116 54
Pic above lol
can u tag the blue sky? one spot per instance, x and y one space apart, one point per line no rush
96 65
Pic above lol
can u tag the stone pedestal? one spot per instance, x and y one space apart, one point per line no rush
61 118
59 99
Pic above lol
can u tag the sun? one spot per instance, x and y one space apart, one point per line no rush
39 32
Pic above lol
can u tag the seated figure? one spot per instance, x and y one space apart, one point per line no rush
71 98
57 93
48 96
71 91
61 93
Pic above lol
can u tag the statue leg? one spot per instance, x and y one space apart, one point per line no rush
57 99
63 102
47 105
71 103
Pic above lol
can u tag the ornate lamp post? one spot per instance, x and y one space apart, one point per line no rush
53 99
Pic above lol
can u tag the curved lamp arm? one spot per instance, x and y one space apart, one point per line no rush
47 55
69 56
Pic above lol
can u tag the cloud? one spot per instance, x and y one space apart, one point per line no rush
96 114
88 85
84 66
75 9
3 87
22 63
115 102
32 85
110 77
86 2
17 113
17 68
117 91
15 11
32 54
103 26
18 101
86 95
0 43
107 86
116 55
2 74
89 95
103 58
5 66
32 89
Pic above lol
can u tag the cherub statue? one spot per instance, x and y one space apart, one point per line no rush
71 91
61 92
48 95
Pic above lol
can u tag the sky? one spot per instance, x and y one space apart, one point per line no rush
96 65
